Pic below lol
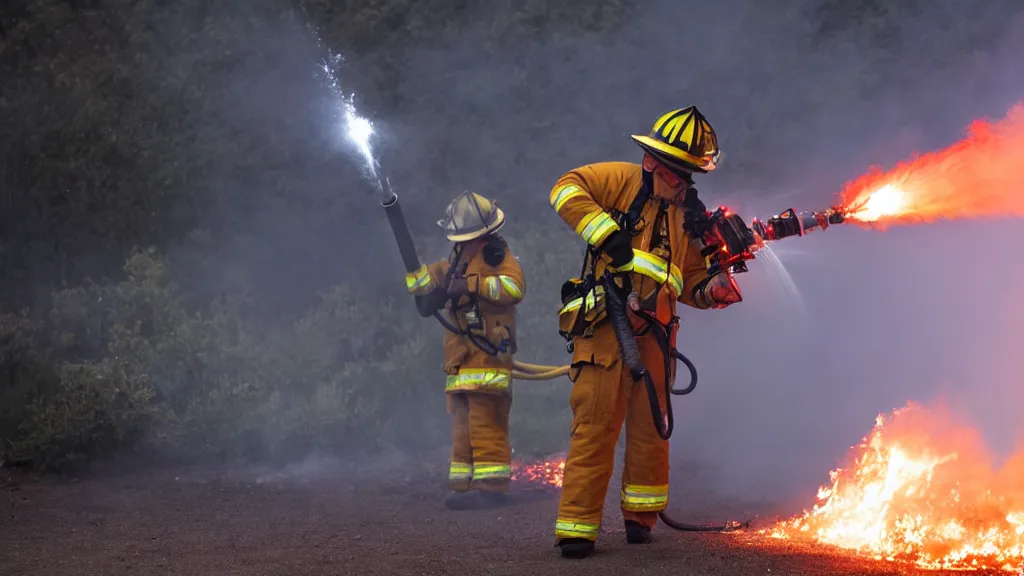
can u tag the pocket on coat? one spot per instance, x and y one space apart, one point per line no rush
455 354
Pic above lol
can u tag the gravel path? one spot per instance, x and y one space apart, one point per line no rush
347 520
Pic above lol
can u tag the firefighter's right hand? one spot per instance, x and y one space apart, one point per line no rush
619 248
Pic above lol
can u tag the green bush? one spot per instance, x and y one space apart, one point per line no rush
130 366
198 128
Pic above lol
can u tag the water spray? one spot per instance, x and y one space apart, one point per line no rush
358 133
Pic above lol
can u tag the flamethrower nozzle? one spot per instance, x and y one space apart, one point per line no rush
790 223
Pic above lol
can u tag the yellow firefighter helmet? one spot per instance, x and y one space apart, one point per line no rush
682 140
470 216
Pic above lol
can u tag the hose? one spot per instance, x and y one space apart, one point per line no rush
427 307
687 527
526 371
520 370
664 424
556 372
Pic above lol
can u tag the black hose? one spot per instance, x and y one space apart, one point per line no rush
676 354
616 307
664 424
687 527
623 330
485 345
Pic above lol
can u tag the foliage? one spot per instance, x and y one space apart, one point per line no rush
128 366
264 322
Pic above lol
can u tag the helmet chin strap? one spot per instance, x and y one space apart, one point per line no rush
687 198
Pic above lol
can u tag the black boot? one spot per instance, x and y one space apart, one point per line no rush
637 533
460 500
491 499
474 500
576 547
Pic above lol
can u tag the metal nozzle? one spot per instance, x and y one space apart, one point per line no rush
390 200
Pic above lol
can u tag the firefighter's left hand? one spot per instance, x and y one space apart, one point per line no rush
635 320
458 286
723 290
633 300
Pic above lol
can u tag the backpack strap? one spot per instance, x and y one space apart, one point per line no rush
636 207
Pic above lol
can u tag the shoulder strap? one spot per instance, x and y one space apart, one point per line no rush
629 218
636 207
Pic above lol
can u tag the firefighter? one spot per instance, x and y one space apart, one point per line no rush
632 218
478 288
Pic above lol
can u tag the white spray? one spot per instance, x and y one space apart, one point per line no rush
357 130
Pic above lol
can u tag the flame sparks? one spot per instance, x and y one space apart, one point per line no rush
979 176
886 202
545 474
921 489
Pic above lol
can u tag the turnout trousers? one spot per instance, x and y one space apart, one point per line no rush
481 458
601 399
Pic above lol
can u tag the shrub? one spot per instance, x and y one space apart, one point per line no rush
130 365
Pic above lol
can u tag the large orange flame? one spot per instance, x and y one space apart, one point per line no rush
980 176
921 488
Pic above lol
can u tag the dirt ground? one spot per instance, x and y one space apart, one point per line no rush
320 519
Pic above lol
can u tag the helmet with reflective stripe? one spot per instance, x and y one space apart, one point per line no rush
470 216
683 141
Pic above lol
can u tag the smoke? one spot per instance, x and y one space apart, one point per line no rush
847 324
800 110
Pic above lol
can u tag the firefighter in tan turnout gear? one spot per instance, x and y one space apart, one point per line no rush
478 287
632 218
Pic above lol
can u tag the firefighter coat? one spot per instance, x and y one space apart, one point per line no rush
662 275
486 315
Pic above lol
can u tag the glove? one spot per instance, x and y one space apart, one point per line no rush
458 286
619 247
722 291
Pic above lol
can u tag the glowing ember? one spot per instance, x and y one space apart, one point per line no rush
979 176
921 489
547 473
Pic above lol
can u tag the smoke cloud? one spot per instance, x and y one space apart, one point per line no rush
788 381
846 324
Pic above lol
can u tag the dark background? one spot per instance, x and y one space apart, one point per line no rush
195 270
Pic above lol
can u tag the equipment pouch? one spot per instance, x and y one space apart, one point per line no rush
474 322
583 306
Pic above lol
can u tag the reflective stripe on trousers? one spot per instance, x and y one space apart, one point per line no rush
637 498
491 471
570 529
478 379
460 472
